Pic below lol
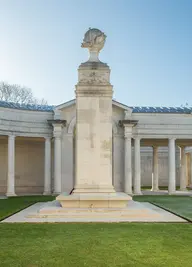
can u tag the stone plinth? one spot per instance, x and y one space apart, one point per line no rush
94 200
54 212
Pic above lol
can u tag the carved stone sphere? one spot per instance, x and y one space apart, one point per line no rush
94 39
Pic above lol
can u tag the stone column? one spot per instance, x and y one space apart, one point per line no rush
190 170
57 165
137 169
182 169
172 174
128 165
47 167
57 133
155 175
11 166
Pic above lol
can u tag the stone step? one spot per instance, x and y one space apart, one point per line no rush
94 213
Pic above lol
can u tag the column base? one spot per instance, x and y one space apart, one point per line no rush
129 193
183 189
47 193
171 192
10 194
56 193
138 193
155 190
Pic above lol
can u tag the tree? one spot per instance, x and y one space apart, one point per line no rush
18 94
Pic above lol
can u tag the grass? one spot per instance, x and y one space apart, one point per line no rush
181 205
14 204
96 244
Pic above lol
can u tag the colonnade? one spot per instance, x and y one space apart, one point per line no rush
127 166
155 175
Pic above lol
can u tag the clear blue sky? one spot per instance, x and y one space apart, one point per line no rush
148 47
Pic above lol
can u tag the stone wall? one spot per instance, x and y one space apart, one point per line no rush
29 167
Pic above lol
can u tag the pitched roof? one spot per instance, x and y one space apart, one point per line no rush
5 104
182 110
49 108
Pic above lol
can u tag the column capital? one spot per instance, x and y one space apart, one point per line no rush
11 136
118 136
172 138
54 123
128 123
47 138
137 138
127 136
57 135
181 146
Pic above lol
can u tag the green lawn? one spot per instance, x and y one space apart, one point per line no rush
181 205
96 244
14 204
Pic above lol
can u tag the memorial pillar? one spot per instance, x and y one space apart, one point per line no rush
93 126
93 156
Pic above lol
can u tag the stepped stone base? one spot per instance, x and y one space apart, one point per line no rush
55 210
51 212
94 200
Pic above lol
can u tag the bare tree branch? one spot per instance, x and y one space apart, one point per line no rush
18 94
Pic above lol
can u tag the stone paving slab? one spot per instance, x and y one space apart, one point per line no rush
3 197
135 212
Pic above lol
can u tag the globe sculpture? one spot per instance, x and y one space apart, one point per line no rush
94 40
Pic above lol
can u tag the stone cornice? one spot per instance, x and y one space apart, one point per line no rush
62 122
128 123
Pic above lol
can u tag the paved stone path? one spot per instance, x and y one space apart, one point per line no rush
3 197
135 212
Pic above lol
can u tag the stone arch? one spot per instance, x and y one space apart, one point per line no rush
70 129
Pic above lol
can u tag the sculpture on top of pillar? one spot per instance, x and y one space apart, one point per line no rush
94 40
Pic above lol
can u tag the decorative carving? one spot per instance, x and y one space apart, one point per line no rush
128 114
94 40
93 77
